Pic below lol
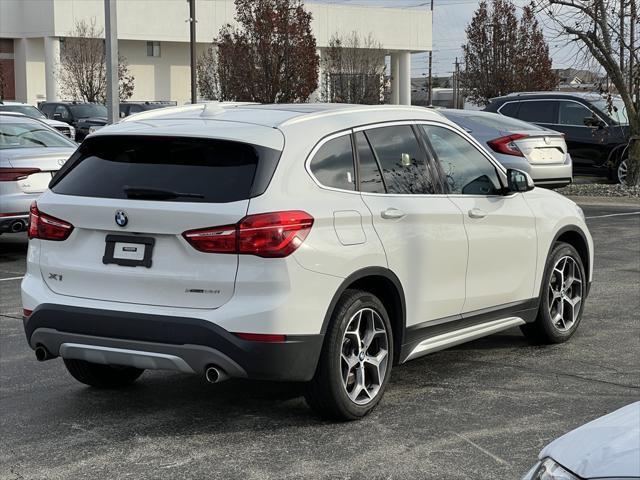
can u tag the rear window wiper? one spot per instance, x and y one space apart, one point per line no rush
157 193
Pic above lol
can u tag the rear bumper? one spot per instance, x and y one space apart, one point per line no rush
165 342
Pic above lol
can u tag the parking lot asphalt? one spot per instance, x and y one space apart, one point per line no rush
482 410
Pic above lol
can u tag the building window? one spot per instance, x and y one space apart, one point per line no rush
153 49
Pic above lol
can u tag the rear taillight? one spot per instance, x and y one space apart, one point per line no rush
507 144
15 174
271 235
46 227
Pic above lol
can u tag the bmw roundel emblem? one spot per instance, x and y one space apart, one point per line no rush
121 218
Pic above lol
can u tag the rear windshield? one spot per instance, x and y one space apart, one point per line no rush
495 121
166 168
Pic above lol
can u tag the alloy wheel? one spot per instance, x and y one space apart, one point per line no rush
364 356
565 293
622 172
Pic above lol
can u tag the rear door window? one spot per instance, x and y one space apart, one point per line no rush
332 165
539 111
403 162
167 168
370 175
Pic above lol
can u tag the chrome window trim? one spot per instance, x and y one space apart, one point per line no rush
552 100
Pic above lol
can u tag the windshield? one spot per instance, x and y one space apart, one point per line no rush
30 135
616 110
85 110
28 110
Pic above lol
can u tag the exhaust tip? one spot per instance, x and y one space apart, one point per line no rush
215 375
42 354
16 226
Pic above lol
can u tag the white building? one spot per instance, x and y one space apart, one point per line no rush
154 38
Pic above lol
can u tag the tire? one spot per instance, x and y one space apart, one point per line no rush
101 376
336 392
561 301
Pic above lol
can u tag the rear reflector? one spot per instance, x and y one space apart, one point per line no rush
46 227
15 174
269 235
506 144
26 312
261 337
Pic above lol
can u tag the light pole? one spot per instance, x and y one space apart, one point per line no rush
111 47
192 30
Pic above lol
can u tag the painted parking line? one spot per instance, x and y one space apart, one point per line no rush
613 215
11 278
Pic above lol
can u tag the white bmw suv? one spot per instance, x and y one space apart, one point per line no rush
311 242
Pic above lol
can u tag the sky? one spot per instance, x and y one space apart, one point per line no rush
450 17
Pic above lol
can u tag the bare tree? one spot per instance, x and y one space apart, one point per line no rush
271 56
597 28
207 71
503 54
82 70
353 70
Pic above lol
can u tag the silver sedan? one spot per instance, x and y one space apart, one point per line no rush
30 153
540 152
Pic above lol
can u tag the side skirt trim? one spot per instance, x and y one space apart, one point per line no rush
446 340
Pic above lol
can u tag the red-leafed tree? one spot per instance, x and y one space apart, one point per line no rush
270 57
504 54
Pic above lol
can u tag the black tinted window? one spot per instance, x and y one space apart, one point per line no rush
510 109
332 165
166 168
466 170
370 176
403 163
538 111
572 113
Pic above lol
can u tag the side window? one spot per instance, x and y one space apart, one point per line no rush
572 113
466 170
510 109
370 176
404 166
538 111
47 110
63 111
332 165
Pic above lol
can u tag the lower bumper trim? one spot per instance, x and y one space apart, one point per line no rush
134 339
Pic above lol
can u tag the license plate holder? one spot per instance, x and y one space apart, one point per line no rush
123 250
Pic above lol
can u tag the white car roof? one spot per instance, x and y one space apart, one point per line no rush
264 124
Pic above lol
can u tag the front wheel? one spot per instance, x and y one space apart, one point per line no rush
622 171
102 376
562 297
356 359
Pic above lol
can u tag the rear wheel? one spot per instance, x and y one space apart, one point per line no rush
102 376
355 364
561 299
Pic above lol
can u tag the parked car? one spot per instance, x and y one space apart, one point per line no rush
606 448
129 108
596 135
540 152
30 153
81 115
33 112
315 243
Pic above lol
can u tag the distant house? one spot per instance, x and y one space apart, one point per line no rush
576 79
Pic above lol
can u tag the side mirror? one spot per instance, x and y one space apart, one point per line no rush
519 181
122 115
593 122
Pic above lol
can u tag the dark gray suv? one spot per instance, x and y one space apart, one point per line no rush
597 133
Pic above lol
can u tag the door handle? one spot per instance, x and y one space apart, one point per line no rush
392 213
477 213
